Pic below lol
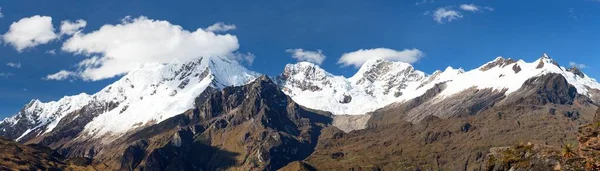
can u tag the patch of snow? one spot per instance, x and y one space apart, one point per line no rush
22 135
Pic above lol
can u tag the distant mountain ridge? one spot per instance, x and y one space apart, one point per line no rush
379 83
213 113
170 89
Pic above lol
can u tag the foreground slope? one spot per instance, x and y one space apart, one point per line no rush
15 156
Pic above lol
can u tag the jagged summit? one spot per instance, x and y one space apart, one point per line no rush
545 55
576 71
545 59
499 61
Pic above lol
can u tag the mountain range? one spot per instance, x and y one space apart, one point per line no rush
214 114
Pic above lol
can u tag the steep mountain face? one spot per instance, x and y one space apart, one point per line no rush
125 105
251 127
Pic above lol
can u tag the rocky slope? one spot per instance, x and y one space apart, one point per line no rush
581 155
15 156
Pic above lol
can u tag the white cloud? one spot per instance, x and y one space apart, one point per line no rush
60 75
13 65
116 49
580 66
248 58
445 14
69 28
1 14
30 32
469 7
357 58
449 13
220 27
316 57
474 8
51 52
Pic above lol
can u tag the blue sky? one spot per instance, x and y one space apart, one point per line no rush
568 30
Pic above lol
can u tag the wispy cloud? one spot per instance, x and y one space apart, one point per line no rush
577 65
13 65
51 52
69 28
446 14
1 14
450 13
220 27
60 75
474 8
316 57
424 2
6 74
572 13
359 57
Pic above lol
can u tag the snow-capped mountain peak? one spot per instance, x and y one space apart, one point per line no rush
155 92
42 117
377 83
146 95
169 89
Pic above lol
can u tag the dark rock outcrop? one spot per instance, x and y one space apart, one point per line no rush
576 71
499 62
548 88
